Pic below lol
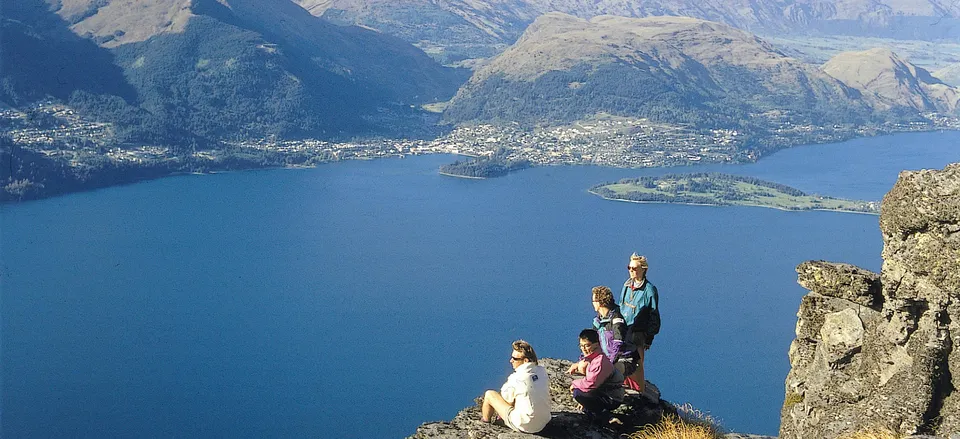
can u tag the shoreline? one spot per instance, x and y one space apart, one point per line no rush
461 176
137 179
733 205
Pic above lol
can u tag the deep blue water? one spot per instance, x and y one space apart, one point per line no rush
360 299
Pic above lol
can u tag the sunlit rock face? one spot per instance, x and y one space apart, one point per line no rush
877 350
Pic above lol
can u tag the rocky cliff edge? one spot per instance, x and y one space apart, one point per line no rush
567 422
879 350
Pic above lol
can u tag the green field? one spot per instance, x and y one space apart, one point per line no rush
724 190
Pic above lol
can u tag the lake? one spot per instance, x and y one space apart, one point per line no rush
360 299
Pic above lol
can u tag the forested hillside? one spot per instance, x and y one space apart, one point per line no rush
223 70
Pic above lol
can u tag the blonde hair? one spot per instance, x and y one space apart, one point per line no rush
524 348
640 260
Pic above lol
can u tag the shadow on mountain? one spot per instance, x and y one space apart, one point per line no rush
221 81
42 57
239 72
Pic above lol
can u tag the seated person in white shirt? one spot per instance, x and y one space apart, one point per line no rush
524 400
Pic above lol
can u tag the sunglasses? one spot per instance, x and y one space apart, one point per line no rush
516 359
632 268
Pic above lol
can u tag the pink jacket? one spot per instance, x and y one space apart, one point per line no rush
599 369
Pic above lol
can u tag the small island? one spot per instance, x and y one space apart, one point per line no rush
724 190
496 165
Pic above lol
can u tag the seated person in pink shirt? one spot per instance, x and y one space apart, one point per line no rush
601 388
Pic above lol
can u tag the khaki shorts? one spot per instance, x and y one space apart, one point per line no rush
509 423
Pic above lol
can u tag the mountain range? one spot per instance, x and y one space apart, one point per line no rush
453 30
190 72
681 69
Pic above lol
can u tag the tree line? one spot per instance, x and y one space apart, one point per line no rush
708 182
497 165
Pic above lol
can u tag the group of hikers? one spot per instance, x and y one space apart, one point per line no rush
611 359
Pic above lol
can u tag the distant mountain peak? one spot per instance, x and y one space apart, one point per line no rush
891 82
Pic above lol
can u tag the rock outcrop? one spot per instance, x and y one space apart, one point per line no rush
567 422
878 350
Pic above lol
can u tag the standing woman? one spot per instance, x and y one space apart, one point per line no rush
639 305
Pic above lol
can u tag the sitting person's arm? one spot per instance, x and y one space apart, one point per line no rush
597 372
578 368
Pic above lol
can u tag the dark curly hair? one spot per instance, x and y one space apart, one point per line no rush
603 295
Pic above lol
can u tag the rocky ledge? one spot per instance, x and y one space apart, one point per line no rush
567 423
880 350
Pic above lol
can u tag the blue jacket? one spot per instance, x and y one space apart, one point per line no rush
640 308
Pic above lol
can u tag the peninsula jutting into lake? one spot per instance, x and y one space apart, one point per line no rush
724 190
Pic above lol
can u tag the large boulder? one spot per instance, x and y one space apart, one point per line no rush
878 350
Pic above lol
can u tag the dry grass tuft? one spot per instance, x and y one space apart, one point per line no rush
672 427
691 424
873 433
792 399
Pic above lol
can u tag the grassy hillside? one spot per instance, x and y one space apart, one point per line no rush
670 69
454 30
889 82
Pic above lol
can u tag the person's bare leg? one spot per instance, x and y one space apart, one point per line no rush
486 409
492 401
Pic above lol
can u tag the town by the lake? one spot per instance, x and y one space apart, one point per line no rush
604 141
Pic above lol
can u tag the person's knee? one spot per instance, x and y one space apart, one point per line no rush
489 394
619 366
580 397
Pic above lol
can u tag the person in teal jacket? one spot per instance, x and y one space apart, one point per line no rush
639 304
